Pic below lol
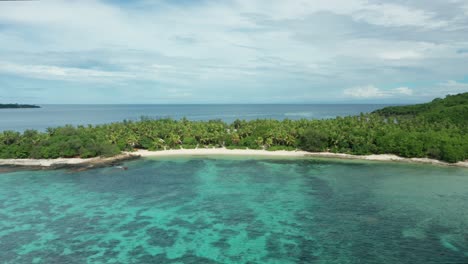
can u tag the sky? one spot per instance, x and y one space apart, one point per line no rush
240 51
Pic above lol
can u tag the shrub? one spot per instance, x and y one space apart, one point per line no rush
314 140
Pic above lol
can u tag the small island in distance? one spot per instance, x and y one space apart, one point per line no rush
14 106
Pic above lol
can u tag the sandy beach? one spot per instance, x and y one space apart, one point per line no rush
284 153
62 162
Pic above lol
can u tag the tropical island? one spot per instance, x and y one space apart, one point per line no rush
435 130
14 106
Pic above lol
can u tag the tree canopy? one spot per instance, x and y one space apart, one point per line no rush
453 107
436 130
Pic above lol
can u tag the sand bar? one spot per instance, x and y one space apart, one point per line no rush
98 161
285 153
63 162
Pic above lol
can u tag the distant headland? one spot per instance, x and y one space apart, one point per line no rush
9 106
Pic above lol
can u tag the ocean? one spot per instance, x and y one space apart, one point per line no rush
228 209
236 210
59 115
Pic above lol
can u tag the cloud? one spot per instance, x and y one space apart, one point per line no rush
400 55
261 49
402 91
388 15
453 87
61 73
372 92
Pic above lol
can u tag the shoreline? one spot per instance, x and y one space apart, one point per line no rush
77 163
97 162
292 153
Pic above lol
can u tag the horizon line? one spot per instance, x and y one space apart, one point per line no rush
325 103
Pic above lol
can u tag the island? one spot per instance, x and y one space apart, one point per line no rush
434 132
13 106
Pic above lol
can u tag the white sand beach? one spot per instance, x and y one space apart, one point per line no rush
216 152
284 153
43 162
64 161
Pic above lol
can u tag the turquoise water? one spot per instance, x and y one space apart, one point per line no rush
59 115
236 210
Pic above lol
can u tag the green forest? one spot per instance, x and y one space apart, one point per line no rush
435 130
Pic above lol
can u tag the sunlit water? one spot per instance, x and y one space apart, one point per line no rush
236 210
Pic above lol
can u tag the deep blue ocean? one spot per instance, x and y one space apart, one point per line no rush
58 115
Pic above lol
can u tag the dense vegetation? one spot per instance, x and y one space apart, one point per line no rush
3 106
453 107
433 130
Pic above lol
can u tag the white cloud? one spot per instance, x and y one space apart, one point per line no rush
463 5
400 55
178 93
384 14
152 72
61 73
248 44
453 87
212 26
372 92
403 91
397 15
444 88
368 91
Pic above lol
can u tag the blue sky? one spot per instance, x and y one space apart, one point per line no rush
242 51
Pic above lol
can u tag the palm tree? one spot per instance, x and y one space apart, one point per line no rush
259 141
269 142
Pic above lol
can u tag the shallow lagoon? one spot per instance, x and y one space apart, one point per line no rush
236 210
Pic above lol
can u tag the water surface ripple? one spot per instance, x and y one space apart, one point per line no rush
238 210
